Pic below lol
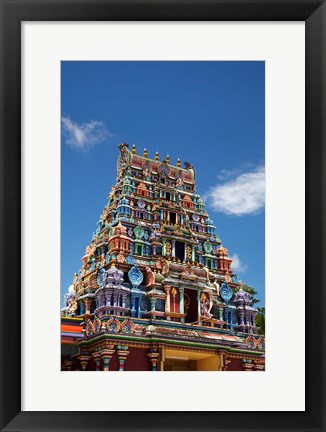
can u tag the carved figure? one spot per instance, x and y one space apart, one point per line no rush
227 277
120 257
188 273
146 172
101 277
73 306
107 258
93 263
163 265
205 306
150 277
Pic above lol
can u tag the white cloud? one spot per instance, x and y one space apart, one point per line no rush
237 265
83 136
225 174
240 196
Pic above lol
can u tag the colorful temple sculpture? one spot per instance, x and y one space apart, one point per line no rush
156 290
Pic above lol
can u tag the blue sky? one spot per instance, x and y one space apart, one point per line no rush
211 114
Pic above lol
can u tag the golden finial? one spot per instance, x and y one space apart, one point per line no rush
145 153
156 156
133 150
167 159
178 163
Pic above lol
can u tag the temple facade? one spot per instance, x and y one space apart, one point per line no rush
156 290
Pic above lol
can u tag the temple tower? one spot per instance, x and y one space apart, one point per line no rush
156 271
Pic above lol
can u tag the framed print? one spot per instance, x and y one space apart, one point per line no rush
176 105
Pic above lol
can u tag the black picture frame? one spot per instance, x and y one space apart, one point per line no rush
13 13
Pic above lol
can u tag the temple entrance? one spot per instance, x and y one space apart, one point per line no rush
179 365
180 250
191 305
176 360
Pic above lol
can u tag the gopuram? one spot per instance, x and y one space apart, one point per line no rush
156 290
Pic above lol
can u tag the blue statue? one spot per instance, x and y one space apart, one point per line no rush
100 277
107 258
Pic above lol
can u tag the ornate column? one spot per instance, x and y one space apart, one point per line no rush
174 293
84 359
185 253
220 311
199 309
163 247
124 300
241 316
247 365
231 319
193 253
247 318
182 304
122 352
227 316
259 367
167 289
221 362
226 363
173 248
153 355
97 359
152 301
224 360
106 355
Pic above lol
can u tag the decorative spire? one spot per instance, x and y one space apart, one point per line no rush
178 163
222 251
156 156
133 150
145 154
167 159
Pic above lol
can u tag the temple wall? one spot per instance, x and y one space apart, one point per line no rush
235 365
138 360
